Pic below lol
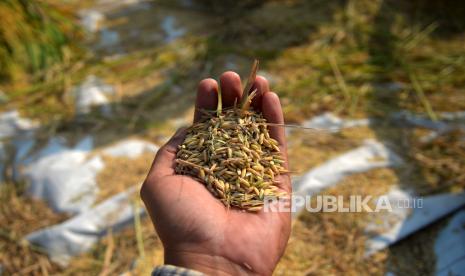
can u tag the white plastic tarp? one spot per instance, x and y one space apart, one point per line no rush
12 126
23 146
330 122
78 234
93 92
450 247
171 30
130 148
64 177
369 156
91 20
445 123
406 221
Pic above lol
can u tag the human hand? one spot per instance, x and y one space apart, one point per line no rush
196 229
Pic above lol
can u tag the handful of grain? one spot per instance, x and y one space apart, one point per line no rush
232 153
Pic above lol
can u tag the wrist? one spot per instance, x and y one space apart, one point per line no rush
205 263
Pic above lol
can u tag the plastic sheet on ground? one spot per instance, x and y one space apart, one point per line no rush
172 32
92 92
108 38
130 148
332 123
450 247
425 122
369 156
52 174
12 126
23 146
448 121
78 234
91 20
458 115
64 177
407 219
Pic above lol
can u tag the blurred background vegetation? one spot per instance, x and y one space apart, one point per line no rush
354 58
35 38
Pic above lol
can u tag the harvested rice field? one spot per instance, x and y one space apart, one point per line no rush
373 94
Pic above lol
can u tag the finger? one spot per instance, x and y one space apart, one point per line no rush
261 84
207 97
164 163
231 88
273 113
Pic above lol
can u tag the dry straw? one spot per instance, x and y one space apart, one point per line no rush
232 153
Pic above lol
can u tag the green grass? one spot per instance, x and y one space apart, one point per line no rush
35 37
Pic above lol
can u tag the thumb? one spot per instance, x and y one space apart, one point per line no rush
164 164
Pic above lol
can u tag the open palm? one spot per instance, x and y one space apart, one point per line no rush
196 229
